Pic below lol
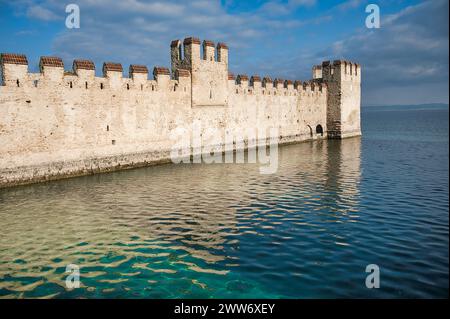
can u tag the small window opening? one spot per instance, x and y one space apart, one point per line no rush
107 128
35 83
18 83
86 85
142 87
70 84
101 86
113 142
210 94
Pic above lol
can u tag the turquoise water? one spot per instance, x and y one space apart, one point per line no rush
225 231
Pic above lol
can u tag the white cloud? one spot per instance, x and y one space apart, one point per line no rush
410 49
41 13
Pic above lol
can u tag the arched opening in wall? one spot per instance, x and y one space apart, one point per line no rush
319 130
310 131
70 84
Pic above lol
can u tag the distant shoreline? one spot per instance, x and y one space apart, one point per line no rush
406 107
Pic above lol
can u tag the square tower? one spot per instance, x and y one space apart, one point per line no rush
344 97
208 68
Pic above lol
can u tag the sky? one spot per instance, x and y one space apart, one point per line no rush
405 61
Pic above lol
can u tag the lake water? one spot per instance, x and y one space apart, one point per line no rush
225 231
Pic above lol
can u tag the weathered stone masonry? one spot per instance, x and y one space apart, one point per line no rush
56 123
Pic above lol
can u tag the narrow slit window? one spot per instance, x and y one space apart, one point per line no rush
86 85
18 83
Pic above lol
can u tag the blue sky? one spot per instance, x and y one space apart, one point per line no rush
404 62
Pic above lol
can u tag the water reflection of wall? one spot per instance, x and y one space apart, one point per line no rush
203 210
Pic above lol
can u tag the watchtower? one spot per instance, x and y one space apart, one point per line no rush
208 65
344 97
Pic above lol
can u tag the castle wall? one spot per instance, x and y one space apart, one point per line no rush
56 124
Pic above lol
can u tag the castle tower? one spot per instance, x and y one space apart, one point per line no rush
208 66
344 97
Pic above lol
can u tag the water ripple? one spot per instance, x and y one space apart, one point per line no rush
202 231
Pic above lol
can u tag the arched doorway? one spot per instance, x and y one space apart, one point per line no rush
310 131
319 130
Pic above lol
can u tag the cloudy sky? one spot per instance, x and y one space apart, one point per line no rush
404 62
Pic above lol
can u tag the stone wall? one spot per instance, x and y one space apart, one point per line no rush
57 123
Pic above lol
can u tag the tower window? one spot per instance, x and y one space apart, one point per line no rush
86 84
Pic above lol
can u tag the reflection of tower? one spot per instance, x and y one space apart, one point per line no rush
344 172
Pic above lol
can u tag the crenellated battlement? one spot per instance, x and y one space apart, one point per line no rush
338 69
14 73
60 122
